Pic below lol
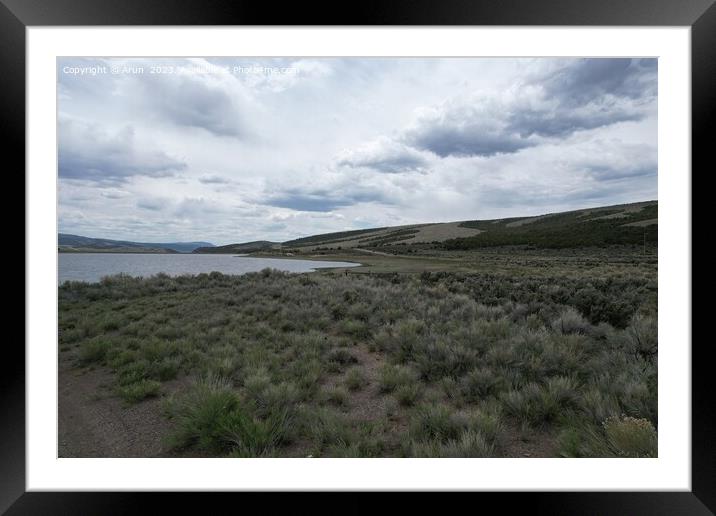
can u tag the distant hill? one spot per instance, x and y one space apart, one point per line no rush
379 237
623 224
246 247
76 243
330 237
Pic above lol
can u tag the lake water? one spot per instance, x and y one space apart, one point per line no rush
92 267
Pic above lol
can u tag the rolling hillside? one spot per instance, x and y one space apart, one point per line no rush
247 247
76 243
625 224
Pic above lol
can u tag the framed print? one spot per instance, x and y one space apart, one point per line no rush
413 249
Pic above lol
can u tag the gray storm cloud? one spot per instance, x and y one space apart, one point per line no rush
214 179
581 95
190 102
325 200
87 152
385 156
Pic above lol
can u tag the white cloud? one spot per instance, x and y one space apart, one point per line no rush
334 144
88 152
385 155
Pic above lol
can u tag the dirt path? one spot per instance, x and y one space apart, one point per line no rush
93 423
379 253
368 403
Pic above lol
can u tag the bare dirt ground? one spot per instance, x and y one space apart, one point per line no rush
426 233
358 241
532 444
366 403
528 220
379 253
442 232
94 423
628 209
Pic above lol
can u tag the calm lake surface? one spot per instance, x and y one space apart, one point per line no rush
92 267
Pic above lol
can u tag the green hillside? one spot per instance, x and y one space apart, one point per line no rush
625 224
612 225
247 247
330 238
80 244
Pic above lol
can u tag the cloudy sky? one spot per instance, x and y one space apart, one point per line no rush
232 150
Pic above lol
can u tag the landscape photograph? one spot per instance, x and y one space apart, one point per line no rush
359 257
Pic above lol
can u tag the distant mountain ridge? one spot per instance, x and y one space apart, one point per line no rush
246 247
67 242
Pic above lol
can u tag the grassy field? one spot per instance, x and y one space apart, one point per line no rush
441 354
581 262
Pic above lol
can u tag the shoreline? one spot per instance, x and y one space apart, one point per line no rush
265 262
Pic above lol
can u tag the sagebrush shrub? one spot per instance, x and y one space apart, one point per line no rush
166 369
394 376
408 394
135 392
93 351
642 333
488 424
256 383
355 379
341 357
540 404
599 406
536 349
435 422
326 427
438 359
479 383
337 395
571 321
468 444
199 415
631 437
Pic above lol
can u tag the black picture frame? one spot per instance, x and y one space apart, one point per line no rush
700 15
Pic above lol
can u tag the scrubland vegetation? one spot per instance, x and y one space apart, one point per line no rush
606 227
585 228
432 364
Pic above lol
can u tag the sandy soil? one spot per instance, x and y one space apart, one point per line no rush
358 241
628 209
528 220
94 423
427 233
379 253
441 232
